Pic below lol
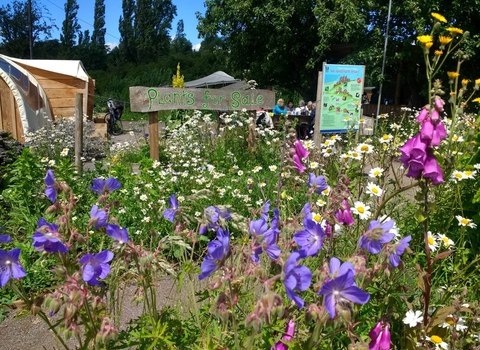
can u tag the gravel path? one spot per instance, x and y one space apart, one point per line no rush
32 333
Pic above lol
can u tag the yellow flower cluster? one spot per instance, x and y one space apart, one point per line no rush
453 75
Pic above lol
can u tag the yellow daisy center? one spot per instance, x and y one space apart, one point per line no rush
317 218
362 120
465 221
468 172
364 148
375 190
329 150
450 321
361 210
385 137
455 138
431 240
377 173
436 339
446 242
458 175
355 154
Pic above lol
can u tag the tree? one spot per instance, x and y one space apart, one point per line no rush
180 44
14 25
153 20
70 28
282 45
98 35
126 48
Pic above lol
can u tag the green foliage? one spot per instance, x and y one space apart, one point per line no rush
70 27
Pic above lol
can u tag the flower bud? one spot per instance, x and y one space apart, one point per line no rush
70 311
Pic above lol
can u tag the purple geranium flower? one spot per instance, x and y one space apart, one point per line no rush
51 190
211 216
170 213
311 238
297 277
10 266
265 239
109 185
342 289
343 214
265 210
378 233
398 249
46 238
217 252
98 218
117 233
5 239
337 269
318 183
95 266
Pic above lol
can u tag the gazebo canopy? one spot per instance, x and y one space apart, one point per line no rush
217 78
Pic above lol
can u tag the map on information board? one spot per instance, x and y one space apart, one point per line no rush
341 102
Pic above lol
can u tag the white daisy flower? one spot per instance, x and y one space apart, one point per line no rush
64 152
272 168
456 138
320 203
356 155
51 162
468 174
328 151
180 199
313 165
447 242
364 148
412 318
438 342
477 166
257 169
374 190
386 138
143 197
465 222
240 173
458 176
317 218
432 242
361 210
450 323
375 172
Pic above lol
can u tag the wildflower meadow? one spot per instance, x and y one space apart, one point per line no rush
359 242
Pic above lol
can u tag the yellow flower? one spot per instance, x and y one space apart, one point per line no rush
445 40
429 44
425 39
476 100
477 81
439 17
454 30
438 52
465 82
453 75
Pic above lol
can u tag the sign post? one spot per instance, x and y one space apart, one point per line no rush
317 136
341 102
153 99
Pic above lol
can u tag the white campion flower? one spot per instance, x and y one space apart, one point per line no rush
412 318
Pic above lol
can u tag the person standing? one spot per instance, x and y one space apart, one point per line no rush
279 108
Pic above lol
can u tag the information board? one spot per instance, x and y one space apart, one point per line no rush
151 99
342 89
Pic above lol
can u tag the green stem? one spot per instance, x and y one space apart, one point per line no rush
234 320
400 190
428 282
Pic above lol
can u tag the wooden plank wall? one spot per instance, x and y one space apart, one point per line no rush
9 113
60 90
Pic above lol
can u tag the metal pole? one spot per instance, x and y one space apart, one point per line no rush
30 30
383 66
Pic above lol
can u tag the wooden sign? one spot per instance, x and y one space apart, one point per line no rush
145 99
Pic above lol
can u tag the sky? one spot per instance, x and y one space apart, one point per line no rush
186 10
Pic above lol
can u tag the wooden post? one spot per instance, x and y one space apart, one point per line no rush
153 131
78 131
317 137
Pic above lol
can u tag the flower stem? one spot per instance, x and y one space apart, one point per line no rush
428 281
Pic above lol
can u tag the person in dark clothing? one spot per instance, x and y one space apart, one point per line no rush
374 97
